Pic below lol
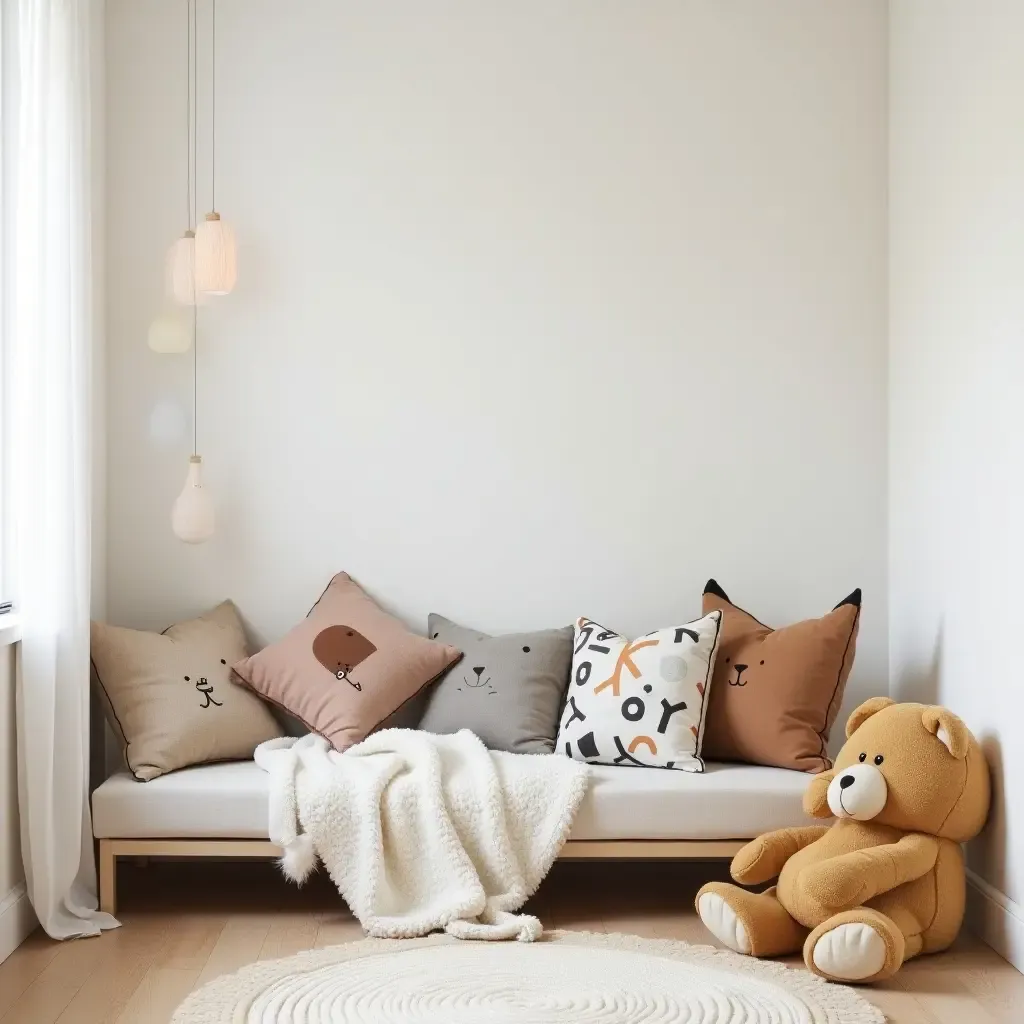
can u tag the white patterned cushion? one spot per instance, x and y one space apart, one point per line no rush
640 702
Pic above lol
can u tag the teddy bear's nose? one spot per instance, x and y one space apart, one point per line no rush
846 780
479 670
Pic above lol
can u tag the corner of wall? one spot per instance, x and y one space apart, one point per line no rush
17 920
995 919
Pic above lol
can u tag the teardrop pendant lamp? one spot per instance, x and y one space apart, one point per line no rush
216 252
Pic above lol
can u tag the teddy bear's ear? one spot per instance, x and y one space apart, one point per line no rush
865 711
816 795
948 730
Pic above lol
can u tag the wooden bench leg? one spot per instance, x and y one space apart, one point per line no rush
108 877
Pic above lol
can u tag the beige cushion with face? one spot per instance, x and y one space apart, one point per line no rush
170 698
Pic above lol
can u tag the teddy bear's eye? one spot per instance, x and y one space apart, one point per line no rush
879 759
862 758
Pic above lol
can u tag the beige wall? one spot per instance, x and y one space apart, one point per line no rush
16 918
544 310
956 412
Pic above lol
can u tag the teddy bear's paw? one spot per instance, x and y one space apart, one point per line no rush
849 952
721 920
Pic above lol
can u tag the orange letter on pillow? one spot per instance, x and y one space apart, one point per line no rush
625 660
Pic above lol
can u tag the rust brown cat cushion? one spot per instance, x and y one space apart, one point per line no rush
776 692
346 667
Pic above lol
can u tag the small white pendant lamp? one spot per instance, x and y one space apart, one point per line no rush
216 250
192 515
216 256
181 269
169 334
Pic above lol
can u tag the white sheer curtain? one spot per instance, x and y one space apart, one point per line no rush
48 344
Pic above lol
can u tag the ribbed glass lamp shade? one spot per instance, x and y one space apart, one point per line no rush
169 333
216 256
192 515
181 270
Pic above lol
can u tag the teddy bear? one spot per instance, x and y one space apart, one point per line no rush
884 881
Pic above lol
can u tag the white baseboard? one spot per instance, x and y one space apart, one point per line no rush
996 919
17 920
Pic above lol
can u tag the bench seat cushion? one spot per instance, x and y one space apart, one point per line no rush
229 801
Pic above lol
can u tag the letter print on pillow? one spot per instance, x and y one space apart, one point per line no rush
640 702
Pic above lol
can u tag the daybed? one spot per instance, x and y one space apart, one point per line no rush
220 810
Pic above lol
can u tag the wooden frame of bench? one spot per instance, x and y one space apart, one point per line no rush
575 849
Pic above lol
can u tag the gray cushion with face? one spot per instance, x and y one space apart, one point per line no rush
507 689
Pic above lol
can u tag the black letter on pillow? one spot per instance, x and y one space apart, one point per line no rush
576 715
633 709
587 746
683 631
668 710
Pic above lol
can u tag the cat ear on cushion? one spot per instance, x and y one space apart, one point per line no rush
712 587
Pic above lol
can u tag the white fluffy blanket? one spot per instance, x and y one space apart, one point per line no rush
422 832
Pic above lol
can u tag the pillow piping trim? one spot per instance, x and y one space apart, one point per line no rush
712 587
113 714
708 680
825 759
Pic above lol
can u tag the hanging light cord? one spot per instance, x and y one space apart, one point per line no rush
213 110
194 61
188 116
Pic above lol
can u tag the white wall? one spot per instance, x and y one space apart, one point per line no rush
956 412
544 310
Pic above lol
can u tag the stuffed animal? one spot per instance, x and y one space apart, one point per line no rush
885 881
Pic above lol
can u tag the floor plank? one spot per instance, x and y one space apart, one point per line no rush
131 951
185 924
46 998
20 969
158 995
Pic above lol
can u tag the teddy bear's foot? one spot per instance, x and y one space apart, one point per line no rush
721 920
859 945
755 924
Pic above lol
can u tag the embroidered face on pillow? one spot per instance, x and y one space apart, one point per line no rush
507 689
777 691
640 702
170 698
346 667
340 649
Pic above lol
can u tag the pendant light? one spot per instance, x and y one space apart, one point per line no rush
181 269
181 258
192 515
169 334
216 253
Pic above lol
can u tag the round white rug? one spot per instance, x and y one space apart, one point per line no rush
566 978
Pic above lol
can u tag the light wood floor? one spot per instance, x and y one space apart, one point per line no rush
186 923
